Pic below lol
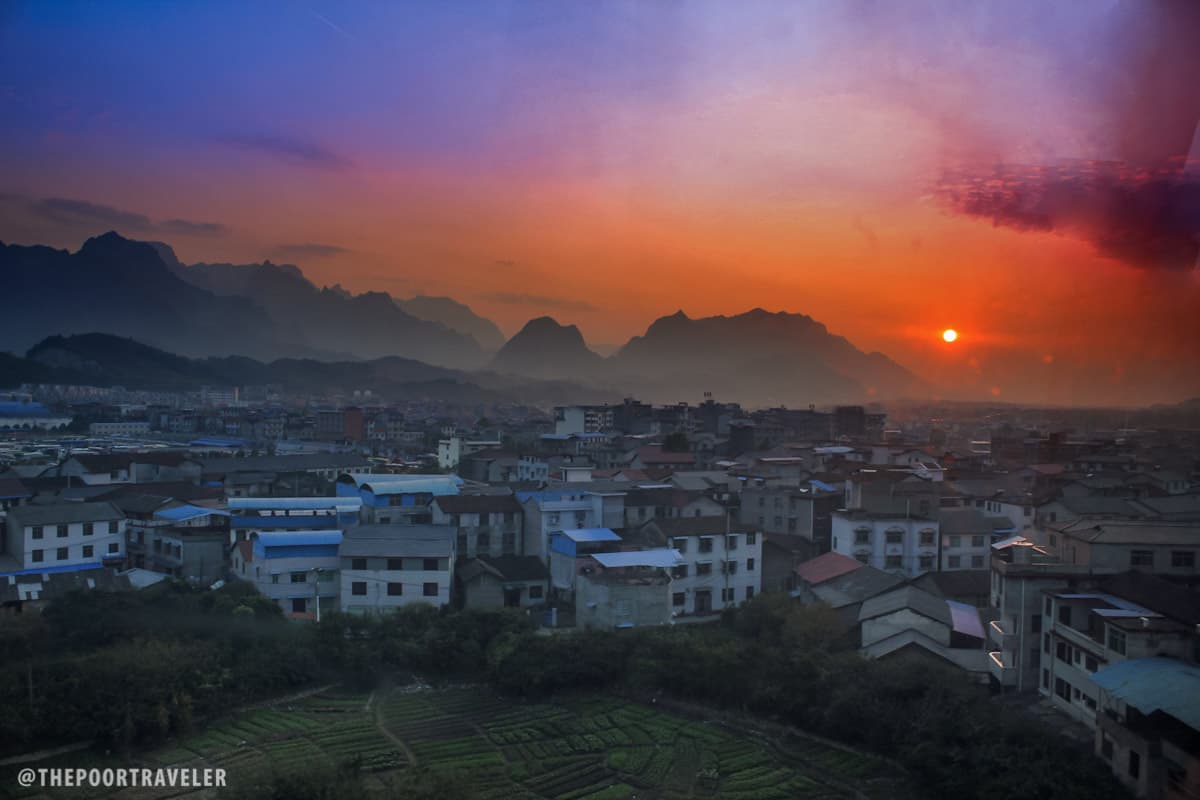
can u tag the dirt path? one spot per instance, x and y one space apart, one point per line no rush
396 740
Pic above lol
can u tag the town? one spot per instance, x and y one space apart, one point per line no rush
1047 554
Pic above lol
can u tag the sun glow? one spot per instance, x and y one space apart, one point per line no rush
949 335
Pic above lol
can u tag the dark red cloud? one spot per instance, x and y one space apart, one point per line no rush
1145 217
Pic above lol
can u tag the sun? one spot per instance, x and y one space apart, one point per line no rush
949 335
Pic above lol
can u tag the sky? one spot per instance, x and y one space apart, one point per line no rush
1027 173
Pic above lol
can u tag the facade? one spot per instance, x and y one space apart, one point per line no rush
625 590
719 567
908 618
505 582
485 524
63 537
902 545
556 510
397 499
967 536
297 569
384 567
184 541
453 450
251 515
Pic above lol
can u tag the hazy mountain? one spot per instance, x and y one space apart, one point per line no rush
758 357
122 287
454 315
368 325
546 349
105 360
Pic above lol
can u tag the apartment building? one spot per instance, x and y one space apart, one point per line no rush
296 568
895 543
720 565
63 538
384 567
484 524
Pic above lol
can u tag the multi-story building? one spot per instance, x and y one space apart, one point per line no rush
626 589
895 543
384 567
451 451
63 538
184 541
261 514
298 569
804 512
555 510
397 499
967 536
720 565
484 524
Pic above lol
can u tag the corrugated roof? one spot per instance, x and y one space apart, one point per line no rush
65 513
909 597
591 535
826 567
1155 684
299 538
186 512
294 503
664 557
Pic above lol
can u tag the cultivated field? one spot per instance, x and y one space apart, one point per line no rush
587 748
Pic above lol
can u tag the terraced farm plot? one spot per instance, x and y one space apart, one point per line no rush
584 748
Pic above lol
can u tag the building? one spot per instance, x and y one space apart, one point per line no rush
895 543
298 569
555 510
504 582
804 512
1149 726
843 584
64 537
453 450
625 589
262 514
570 550
967 536
384 567
485 524
719 566
397 499
185 541
26 415
907 620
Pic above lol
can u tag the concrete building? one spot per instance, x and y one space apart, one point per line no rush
625 589
262 514
894 543
504 582
182 540
451 451
384 567
720 566
485 524
907 619
64 537
561 509
298 569
397 499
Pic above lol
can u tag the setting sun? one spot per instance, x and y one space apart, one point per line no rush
949 335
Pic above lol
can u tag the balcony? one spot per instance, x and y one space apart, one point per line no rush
1079 638
1002 636
1004 674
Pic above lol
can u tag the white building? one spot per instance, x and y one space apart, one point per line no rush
557 510
63 537
898 544
297 569
451 451
384 567
719 567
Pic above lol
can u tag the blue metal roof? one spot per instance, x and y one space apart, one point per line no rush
52 570
348 503
591 535
184 513
14 408
214 442
1155 684
299 538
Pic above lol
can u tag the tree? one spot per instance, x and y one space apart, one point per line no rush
676 443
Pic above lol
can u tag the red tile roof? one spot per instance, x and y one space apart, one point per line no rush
826 567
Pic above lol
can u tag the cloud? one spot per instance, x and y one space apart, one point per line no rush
310 249
1145 217
67 211
293 151
521 299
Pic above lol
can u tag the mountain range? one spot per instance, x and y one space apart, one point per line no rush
273 314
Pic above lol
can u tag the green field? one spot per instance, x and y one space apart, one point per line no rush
587 748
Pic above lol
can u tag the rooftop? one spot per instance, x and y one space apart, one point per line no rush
65 513
398 541
1155 684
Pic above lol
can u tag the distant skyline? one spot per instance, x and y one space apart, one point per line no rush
1025 173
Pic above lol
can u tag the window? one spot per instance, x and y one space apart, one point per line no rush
778 524
749 565
706 543
751 539
678 599
1062 689
88 528
358 588
114 547
1046 643
535 592
1049 608
727 596
680 544
61 531
299 577
1141 558
895 537
1183 558
976 562
1062 652
112 526
893 562
1116 641
393 564
730 567
431 589
704 568
358 563
509 544
862 537
299 605
1035 622
731 542
1046 679
274 578
88 551
679 571
430 564
955 541
395 589
61 554
954 562
927 538
925 562
36 532
36 555
1135 764
1064 614
1090 664
749 592
977 541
